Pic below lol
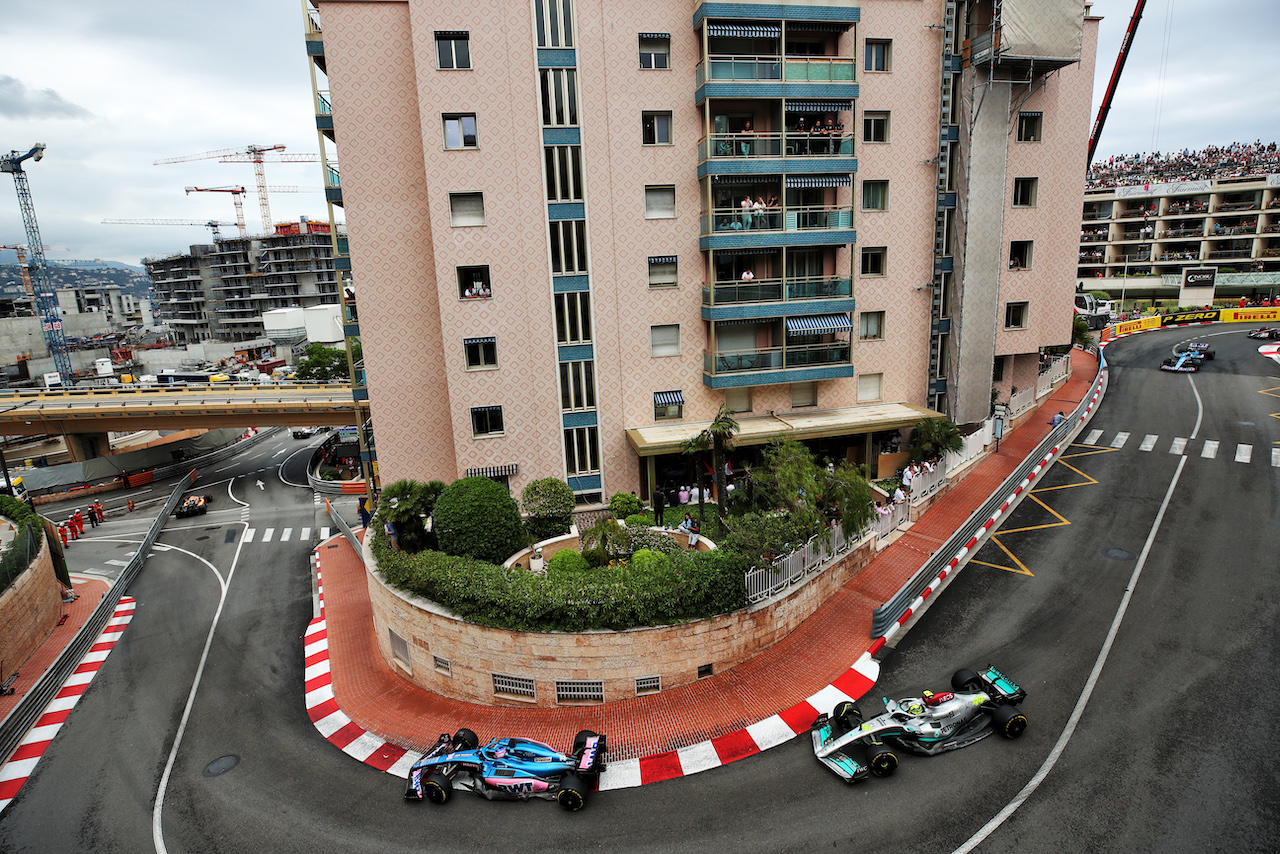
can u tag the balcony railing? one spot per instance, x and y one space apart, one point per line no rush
775 358
323 107
727 68
776 290
782 218
772 145
331 176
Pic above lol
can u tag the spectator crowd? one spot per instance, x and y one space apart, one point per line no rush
1230 161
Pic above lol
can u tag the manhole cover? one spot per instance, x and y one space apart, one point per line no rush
1118 554
221 765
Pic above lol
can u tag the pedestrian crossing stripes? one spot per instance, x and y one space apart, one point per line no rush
282 535
1207 449
268 534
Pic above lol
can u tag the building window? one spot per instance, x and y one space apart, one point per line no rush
875 127
873 258
482 353
466 209
564 173
514 686
460 130
1015 315
442 665
738 399
473 282
453 50
1020 254
577 386
555 22
399 647
668 404
581 451
559 97
662 271
879 55
573 318
1024 192
997 371
656 128
648 685
870 387
486 420
804 394
870 325
664 340
568 246
875 195
660 202
1030 127
655 50
579 691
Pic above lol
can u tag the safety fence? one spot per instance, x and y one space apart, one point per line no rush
23 716
885 616
344 528
1058 369
819 552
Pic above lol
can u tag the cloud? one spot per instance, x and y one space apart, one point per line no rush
19 102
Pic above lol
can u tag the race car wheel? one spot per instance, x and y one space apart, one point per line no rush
466 739
437 788
882 760
580 740
1009 721
965 680
573 793
848 710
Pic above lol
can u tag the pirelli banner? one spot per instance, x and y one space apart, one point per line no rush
1127 326
1251 315
1209 316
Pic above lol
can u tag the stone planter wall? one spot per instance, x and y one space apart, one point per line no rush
29 611
468 655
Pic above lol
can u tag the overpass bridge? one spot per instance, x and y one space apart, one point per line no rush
86 415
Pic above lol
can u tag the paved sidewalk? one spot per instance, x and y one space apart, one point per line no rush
362 706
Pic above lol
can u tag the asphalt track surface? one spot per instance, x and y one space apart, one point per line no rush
1171 752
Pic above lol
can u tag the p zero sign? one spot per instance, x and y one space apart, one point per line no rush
1197 286
1191 317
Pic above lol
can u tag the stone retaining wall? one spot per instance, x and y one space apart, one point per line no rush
470 654
29 611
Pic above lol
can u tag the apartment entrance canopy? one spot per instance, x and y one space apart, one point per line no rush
819 424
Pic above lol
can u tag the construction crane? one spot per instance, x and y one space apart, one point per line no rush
46 300
238 192
1110 94
212 225
257 155
20 250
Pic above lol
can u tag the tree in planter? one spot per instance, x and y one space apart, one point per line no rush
477 517
934 437
548 503
607 537
718 436
408 503
1080 333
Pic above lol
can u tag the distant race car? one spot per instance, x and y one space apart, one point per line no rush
508 769
303 432
1187 362
1266 333
1201 348
980 704
194 505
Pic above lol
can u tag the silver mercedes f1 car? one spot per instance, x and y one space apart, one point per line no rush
980 704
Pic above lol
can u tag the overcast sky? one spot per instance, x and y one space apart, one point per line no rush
112 87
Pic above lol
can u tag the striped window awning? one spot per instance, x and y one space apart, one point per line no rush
720 178
488 340
668 398
815 323
486 409
819 106
746 31
452 34
748 250
804 182
738 321
1030 112
816 27
662 259
647 36
494 471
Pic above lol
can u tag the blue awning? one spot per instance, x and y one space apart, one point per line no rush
722 178
668 398
800 182
746 31
816 323
819 106
817 26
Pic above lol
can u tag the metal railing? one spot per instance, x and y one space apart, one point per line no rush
345 529
774 358
1057 369
818 553
778 218
767 68
777 290
22 717
774 144
885 616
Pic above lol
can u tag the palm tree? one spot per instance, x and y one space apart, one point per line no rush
718 436
935 437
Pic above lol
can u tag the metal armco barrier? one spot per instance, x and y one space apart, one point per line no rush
345 528
884 618
23 716
218 455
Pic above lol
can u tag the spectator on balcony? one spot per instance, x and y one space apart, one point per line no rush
773 206
757 210
746 212
801 136
746 140
835 129
818 138
748 276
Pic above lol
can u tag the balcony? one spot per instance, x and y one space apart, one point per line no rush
775 76
786 364
770 299
788 152
785 225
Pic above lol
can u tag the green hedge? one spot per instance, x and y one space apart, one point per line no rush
477 517
657 590
19 553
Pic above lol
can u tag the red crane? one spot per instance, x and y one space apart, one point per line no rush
1107 97
257 155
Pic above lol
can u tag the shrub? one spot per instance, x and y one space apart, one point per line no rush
478 518
408 503
548 502
567 561
640 520
21 550
595 557
647 539
624 504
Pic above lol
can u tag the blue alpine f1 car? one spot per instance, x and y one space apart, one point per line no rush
508 769
980 704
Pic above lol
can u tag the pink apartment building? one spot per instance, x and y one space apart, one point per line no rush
577 229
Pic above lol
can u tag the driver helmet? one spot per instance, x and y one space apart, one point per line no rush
913 706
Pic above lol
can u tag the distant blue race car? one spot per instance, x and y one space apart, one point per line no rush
1187 362
509 769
